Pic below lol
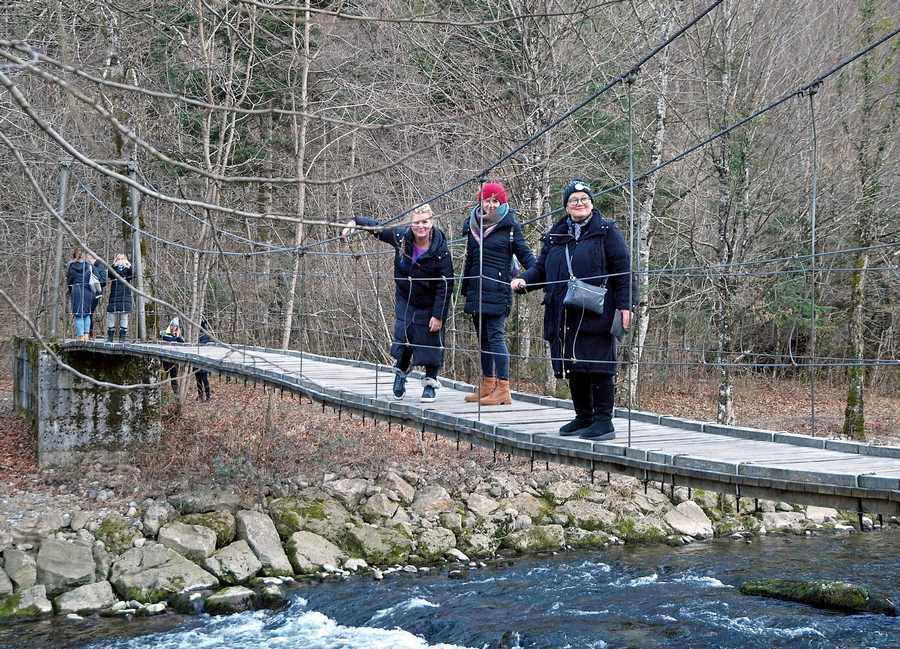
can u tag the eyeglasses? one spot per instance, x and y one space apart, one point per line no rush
579 201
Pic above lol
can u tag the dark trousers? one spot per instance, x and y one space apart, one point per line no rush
202 378
491 331
403 363
172 370
593 395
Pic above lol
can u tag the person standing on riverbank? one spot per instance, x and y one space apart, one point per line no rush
586 248
493 238
423 287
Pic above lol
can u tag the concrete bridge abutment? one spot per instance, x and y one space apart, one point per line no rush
75 420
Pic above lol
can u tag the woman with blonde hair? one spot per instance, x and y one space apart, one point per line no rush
423 286
119 305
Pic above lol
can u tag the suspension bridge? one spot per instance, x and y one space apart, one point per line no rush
738 461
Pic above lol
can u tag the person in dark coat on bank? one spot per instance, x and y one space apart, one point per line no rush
119 306
583 347
493 237
423 287
81 295
172 334
201 375
101 274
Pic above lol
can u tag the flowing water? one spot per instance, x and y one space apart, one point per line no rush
644 598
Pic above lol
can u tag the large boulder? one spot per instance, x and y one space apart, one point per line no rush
587 515
155 573
481 505
259 532
62 565
525 503
6 586
689 519
578 538
234 563
193 542
199 501
480 544
378 507
90 598
822 514
117 534
157 515
561 491
837 595
233 599
25 604
401 487
36 527
379 546
434 543
349 491
314 512
309 552
20 567
536 539
433 499
784 521
221 522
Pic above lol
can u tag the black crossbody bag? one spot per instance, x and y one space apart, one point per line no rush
580 294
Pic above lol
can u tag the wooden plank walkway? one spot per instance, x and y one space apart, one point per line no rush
739 461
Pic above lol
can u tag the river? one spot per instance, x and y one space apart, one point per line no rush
640 597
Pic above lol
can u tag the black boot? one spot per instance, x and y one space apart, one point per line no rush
580 387
110 333
123 334
603 396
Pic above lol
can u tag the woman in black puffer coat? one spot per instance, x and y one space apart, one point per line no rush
423 287
119 305
493 236
583 349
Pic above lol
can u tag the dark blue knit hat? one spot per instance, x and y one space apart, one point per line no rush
576 185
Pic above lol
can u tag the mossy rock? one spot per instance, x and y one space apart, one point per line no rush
222 523
634 531
378 546
117 534
323 516
11 608
837 595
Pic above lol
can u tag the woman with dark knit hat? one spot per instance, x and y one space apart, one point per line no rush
493 237
583 347
423 286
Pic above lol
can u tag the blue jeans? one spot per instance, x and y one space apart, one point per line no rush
82 324
492 340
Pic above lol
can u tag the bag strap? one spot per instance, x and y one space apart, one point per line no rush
569 264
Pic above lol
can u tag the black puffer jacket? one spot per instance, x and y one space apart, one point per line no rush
504 241
119 293
580 341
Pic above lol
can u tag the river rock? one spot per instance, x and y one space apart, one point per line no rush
117 534
79 519
194 542
560 491
587 515
20 567
481 505
689 519
525 503
536 539
790 521
435 543
62 566
90 598
26 604
453 521
157 515
259 532
221 522
154 573
37 527
272 596
480 545
578 538
377 545
404 490
822 514
349 491
378 507
205 500
234 563
432 499
315 512
6 586
309 552
837 595
233 599
103 560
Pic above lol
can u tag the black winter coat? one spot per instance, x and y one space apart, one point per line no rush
119 293
422 290
577 336
100 272
78 278
504 241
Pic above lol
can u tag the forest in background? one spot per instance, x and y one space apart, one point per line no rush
251 124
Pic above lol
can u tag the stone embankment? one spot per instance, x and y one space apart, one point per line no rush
223 551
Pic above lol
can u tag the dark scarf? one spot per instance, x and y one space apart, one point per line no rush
577 227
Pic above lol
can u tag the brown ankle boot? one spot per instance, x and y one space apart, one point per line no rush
488 384
500 396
